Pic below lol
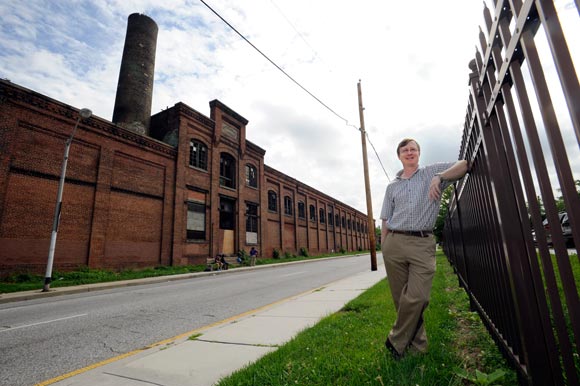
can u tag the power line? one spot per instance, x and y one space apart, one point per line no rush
298 33
292 79
274 64
377 154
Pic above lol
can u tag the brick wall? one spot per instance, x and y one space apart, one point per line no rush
117 205
126 194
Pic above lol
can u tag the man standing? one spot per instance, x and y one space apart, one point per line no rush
409 212
253 256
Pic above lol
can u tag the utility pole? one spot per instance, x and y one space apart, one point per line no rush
371 225
83 114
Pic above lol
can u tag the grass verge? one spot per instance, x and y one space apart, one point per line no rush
347 348
84 275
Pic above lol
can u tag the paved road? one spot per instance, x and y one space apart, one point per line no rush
44 338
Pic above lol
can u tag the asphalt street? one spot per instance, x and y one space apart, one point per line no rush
46 337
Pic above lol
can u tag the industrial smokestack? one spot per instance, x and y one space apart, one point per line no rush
135 88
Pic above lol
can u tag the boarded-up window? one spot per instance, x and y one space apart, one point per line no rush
195 221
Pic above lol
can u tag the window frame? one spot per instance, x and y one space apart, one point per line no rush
199 161
251 182
272 201
288 206
227 171
312 213
301 210
199 209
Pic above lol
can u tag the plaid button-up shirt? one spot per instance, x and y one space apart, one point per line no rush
407 206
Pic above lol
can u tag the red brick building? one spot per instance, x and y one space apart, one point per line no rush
193 188
169 189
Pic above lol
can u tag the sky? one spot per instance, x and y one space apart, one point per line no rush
411 58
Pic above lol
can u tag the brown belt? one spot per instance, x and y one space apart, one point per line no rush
413 233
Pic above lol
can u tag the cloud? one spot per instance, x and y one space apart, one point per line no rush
411 59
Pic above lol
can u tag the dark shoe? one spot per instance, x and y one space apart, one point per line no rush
393 350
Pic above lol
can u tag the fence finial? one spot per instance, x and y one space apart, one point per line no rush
472 65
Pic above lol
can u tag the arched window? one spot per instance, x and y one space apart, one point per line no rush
251 176
272 201
288 206
330 218
227 171
197 154
312 213
321 215
301 210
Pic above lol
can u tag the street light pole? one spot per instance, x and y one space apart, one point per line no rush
371 222
83 114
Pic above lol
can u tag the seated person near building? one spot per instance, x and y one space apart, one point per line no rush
224 263
218 261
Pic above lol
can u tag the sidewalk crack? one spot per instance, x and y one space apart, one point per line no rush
238 343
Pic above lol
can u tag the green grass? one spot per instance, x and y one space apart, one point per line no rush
85 275
25 281
564 304
347 348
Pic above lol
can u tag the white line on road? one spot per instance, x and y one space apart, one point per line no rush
36 324
295 273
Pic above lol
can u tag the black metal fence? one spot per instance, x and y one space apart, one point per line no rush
511 218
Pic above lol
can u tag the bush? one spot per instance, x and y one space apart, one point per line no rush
244 257
288 255
276 254
303 252
342 250
23 277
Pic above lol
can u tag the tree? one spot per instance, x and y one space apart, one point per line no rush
443 210
560 205
378 238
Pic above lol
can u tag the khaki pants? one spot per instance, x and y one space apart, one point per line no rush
410 265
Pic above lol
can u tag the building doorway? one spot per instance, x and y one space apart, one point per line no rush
227 225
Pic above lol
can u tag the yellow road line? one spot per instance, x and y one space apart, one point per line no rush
167 341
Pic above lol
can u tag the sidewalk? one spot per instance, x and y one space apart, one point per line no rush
226 346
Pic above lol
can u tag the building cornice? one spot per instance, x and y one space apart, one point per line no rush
10 92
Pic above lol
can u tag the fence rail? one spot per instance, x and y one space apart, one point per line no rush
507 228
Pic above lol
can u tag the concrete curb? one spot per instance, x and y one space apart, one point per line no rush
38 294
